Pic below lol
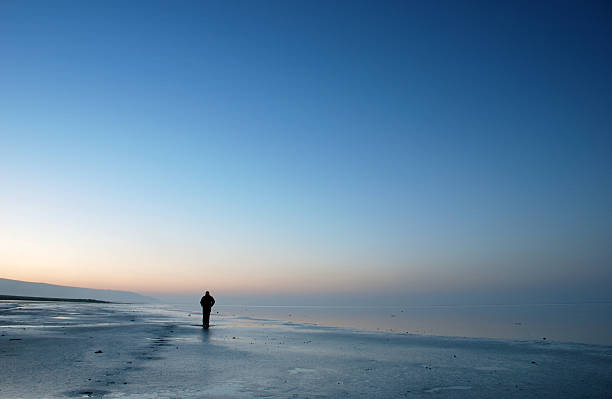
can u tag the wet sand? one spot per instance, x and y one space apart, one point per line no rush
63 349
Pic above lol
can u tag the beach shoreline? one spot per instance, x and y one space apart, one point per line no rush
68 349
46 299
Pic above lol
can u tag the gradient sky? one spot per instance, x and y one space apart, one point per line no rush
279 148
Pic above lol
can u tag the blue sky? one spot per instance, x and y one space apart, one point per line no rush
282 147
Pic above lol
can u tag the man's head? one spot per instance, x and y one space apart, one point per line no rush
207 293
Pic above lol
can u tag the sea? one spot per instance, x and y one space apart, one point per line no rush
161 351
587 323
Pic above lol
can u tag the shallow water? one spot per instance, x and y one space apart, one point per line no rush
59 350
572 323
579 323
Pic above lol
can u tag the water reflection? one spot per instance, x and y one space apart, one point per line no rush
205 335
580 323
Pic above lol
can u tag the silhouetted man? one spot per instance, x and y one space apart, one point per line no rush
207 303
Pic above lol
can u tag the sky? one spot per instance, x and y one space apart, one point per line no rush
337 150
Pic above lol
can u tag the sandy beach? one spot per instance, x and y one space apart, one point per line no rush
62 349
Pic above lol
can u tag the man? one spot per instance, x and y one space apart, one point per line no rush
207 303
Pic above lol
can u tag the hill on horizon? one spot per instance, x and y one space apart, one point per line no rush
31 289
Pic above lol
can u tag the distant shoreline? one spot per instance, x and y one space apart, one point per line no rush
35 298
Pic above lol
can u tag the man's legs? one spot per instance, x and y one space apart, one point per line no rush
205 318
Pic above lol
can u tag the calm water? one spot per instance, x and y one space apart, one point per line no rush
159 351
579 323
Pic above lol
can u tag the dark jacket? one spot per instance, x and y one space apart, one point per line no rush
207 302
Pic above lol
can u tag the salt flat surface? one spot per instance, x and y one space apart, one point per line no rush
59 350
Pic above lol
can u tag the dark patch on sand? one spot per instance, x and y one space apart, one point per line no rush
87 393
150 357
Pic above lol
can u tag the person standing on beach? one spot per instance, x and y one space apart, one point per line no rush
207 303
